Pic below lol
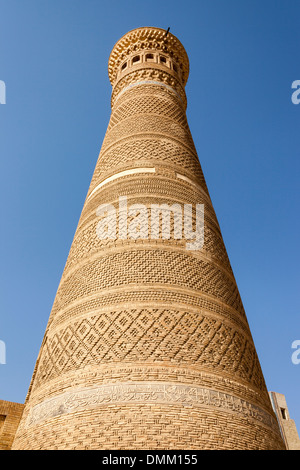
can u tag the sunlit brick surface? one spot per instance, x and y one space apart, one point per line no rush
10 415
147 345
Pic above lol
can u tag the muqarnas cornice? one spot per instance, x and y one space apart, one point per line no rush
148 54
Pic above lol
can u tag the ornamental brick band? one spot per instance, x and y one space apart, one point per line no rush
145 393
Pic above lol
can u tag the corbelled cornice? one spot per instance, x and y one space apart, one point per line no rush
148 38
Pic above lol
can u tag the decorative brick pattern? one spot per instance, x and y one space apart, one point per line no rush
147 345
149 335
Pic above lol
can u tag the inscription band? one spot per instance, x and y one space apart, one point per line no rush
145 393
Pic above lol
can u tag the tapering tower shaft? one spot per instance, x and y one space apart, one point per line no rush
147 345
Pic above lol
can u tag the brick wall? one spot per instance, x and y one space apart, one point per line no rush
10 415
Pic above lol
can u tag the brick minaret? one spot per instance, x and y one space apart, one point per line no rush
147 345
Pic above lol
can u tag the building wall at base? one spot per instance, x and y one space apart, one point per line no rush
10 416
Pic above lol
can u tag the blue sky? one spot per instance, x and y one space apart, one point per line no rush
244 56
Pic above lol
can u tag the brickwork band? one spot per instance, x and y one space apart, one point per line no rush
147 345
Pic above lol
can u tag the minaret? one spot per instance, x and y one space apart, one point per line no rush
147 345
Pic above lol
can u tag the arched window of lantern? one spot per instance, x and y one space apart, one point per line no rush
150 57
136 58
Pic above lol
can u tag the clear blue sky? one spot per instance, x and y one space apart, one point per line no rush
244 56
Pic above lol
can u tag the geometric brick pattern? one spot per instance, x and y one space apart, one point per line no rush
147 344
